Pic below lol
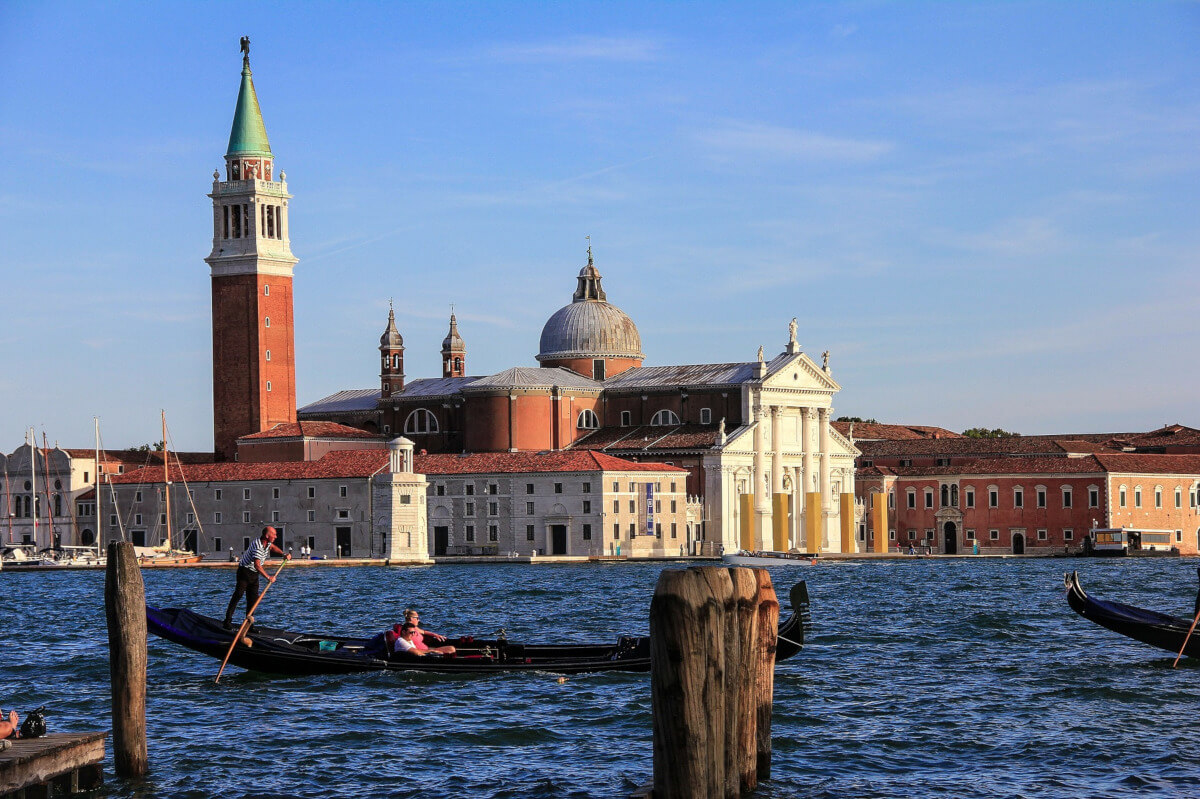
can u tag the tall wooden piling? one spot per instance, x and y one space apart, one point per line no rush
125 610
767 635
711 629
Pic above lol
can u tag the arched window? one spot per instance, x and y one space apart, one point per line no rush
664 418
395 361
588 420
268 355
267 321
458 364
421 421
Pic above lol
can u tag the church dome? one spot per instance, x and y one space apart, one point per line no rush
590 327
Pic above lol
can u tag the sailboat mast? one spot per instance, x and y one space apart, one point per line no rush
8 509
33 482
96 484
167 479
46 488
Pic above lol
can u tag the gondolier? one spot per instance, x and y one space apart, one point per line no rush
248 570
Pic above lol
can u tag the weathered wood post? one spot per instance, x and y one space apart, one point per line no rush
688 682
125 609
767 635
742 672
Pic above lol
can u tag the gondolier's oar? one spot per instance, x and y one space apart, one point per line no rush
1190 629
246 621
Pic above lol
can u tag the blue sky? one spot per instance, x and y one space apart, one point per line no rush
987 213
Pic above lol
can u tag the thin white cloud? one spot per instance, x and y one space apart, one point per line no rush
578 48
772 141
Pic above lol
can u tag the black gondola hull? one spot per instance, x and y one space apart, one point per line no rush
1148 626
277 651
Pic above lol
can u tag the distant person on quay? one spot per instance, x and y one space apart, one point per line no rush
248 570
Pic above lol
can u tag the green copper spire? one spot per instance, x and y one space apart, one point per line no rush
249 135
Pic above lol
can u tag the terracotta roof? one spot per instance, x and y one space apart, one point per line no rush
305 429
980 447
340 463
644 438
1149 463
519 462
1003 466
1172 435
137 457
871 431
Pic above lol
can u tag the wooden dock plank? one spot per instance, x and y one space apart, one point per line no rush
35 761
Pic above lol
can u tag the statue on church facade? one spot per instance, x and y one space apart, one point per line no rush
825 360
760 353
792 331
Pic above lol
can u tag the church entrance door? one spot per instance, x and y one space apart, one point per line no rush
951 539
558 539
1018 543
441 540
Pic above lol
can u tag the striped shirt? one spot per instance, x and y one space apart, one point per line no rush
258 551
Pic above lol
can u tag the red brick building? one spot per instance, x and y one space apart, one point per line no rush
1028 495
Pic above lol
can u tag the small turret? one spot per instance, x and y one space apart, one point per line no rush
454 352
391 349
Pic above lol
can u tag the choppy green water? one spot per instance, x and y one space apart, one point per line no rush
922 678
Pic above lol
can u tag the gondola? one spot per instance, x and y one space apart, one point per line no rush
1148 626
285 652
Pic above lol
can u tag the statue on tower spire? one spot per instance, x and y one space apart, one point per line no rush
246 47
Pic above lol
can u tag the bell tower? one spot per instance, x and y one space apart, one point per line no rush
454 352
391 352
254 367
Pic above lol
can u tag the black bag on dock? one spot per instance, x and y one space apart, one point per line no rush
34 725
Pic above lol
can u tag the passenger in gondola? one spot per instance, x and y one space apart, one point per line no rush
405 643
412 616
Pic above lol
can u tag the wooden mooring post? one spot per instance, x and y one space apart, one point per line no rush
125 609
712 656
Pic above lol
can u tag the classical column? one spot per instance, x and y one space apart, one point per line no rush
776 449
826 498
758 488
806 418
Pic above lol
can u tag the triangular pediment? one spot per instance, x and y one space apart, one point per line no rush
798 371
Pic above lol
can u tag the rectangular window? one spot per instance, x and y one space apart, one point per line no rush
673 506
912 535
1178 497
1068 535
191 518
928 498
274 493
493 533
1042 535
216 545
217 495
587 488
470 489
529 532
632 506
616 486
994 535
906 461
558 488
891 535
493 508
993 498
312 492
112 520
439 490
1093 497
891 499
529 488
1041 497
470 532
706 416
616 532
343 513
912 499
587 506
217 517
970 535
137 518
1179 536
587 532
969 497
529 508
470 509
312 515
616 506
245 517
137 496
673 532
245 493
1067 499
632 531
341 491
493 489
274 515
406 499
1018 498
626 418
